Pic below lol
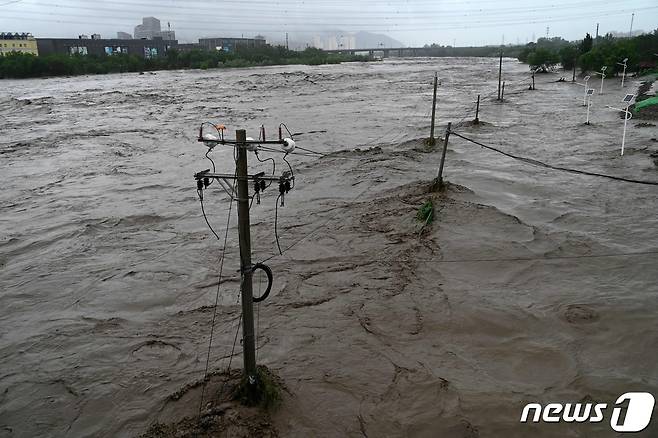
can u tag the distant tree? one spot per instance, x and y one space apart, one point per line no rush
587 44
543 59
568 55
526 51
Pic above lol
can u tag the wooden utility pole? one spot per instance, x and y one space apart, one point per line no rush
477 112
443 155
248 340
432 141
500 73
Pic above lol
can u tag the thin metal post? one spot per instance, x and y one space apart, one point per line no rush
248 341
623 138
588 105
500 73
436 80
502 93
443 155
533 79
477 111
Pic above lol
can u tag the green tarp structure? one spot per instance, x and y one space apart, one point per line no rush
645 103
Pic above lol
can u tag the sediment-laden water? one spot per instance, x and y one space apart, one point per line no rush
516 293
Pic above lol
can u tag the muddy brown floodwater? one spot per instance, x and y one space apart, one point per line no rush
518 292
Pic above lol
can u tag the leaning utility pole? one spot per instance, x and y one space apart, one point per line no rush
248 341
500 72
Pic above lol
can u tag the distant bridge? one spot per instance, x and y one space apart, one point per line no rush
387 52
429 51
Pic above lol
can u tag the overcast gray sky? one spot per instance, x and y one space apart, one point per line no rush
414 22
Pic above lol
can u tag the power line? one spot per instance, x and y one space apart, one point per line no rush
544 258
219 284
308 15
392 27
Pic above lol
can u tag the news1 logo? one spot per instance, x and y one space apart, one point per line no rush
635 416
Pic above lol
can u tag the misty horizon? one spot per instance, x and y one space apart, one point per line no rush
455 22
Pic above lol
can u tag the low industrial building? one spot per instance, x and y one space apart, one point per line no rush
142 48
230 44
18 42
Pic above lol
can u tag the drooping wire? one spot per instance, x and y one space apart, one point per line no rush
287 130
265 160
313 231
219 284
276 223
292 173
322 154
211 161
230 359
551 166
204 213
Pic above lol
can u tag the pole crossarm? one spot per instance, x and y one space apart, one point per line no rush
229 176
234 142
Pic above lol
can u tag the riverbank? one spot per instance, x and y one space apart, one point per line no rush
20 65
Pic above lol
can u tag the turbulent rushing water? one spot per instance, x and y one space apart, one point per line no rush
106 263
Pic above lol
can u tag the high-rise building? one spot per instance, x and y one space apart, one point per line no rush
149 28
168 35
124 36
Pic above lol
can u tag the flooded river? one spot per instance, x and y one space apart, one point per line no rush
532 285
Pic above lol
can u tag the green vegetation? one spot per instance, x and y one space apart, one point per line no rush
19 65
590 55
264 392
426 212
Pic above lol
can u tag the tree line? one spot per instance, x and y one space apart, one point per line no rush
23 65
590 54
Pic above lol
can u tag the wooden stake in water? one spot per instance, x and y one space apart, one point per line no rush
432 141
443 155
573 78
477 112
500 73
